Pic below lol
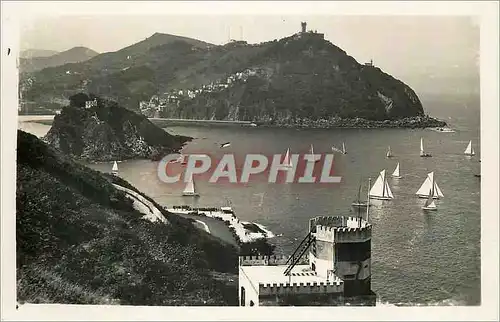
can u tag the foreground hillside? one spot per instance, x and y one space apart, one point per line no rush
107 132
302 77
80 240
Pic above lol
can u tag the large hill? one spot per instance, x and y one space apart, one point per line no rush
302 76
73 55
80 240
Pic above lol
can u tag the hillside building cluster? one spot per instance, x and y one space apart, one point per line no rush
157 103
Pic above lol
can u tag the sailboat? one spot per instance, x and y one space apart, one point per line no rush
114 170
389 153
343 148
287 162
311 152
422 152
430 186
358 203
469 151
429 204
396 174
381 189
190 191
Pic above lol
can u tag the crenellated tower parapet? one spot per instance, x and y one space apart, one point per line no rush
261 260
336 286
340 229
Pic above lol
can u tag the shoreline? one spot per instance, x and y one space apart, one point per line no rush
243 232
418 122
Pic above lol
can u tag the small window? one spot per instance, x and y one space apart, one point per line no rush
251 303
313 266
242 303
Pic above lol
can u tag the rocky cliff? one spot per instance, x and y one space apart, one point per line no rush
104 131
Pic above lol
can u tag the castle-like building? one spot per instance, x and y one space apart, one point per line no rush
337 270
304 33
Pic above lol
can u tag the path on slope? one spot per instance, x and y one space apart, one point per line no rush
143 205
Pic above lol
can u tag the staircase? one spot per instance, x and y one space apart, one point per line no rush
298 253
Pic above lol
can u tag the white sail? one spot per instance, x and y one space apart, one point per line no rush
381 189
287 162
189 190
389 153
396 171
429 204
425 188
388 192
421 145
437 191
115 167
343 148
469 150
311 151
430 187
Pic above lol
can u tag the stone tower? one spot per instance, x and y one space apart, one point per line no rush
342 247
304 26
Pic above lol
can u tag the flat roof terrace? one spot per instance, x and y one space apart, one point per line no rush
275 275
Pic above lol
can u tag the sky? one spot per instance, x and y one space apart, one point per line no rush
419 49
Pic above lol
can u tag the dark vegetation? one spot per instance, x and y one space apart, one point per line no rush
108 132
79 240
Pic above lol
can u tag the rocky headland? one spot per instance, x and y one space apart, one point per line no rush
95 129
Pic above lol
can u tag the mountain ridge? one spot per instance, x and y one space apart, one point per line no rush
299 76
73 55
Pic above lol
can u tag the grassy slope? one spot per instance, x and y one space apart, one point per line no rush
80 241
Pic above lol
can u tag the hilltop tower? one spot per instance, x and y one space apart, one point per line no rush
337 270
304 26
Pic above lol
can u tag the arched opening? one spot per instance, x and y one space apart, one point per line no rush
313 267
242 303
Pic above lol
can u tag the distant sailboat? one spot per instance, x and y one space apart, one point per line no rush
422 151
114 170
396 174
469 151
344 151
381 189
389 153
430 186
190 191
287 162
429 204
358 203
311 152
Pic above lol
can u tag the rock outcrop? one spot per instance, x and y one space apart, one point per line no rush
94 129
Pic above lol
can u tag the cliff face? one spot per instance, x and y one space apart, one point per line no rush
80 241
298 77
107 132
